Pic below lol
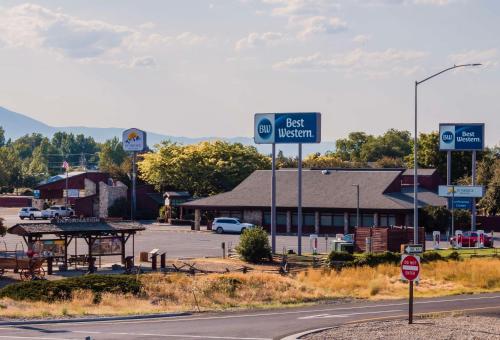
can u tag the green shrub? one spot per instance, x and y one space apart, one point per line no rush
254 245
119 208
374 260
454 256
431 256
339 256
49 291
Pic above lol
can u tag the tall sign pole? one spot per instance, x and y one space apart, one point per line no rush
473 208
287 128
134 180
273 201
299 201
134 141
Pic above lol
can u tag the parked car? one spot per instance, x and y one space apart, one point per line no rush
230 225
469 239
57 211
30 212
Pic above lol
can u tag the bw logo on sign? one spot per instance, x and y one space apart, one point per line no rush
264 128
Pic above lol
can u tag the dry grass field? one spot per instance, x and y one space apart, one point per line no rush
181 292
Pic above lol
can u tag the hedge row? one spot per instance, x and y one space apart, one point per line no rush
49 291
343 259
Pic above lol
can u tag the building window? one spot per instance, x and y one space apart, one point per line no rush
308 220
367 220
294 219
338 220
387 220
326 220
353 220
281 219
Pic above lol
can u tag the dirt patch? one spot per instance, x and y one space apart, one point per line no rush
439 328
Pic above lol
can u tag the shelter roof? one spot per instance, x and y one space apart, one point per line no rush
74 228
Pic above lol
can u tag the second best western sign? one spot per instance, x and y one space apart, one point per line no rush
282 128
461 137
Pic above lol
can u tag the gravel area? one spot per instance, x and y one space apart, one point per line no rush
458 327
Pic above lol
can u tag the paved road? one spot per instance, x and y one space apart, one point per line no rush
263 324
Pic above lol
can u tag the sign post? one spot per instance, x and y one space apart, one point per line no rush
462 137
134 140
410 270
287 128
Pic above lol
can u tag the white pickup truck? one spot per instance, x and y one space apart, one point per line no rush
57 211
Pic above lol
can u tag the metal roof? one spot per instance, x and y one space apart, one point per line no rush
320 189
74 228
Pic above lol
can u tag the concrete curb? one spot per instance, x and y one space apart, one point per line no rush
96 319
297 336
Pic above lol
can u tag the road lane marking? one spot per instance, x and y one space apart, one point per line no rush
326 316
189 318
188 336
34 337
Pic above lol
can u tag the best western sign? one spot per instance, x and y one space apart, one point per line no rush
461 191
280 128
461 137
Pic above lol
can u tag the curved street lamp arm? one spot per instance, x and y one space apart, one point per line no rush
445 70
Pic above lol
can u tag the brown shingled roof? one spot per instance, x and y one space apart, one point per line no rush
74 228
332 190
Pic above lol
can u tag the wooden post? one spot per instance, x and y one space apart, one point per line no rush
122 238
163 260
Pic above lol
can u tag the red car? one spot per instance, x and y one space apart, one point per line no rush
469 239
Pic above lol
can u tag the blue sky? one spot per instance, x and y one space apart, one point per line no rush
202 68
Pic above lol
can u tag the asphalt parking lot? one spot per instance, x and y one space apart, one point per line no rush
177 241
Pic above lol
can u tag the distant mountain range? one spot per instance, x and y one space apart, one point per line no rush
17 125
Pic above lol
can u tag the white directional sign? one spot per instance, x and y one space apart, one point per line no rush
461 191
414 249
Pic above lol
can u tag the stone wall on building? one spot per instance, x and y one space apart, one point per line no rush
108 195
90 187
252 216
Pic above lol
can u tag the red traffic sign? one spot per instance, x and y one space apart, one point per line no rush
410 267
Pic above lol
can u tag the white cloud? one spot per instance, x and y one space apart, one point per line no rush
405 2
147 62
302 7
318 24
37 27
361 39
308 17
256 40
490 57
376 63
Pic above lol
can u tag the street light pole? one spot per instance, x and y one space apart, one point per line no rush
415 151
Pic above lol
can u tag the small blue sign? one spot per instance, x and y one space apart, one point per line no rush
460 203
461 137
36 194
283 128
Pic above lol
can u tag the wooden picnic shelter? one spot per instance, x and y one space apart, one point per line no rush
103 238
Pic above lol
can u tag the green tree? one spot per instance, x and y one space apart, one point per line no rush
491 201
349 149
2 136
429 156
203 169
393 144
3 229
254 245
114 160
